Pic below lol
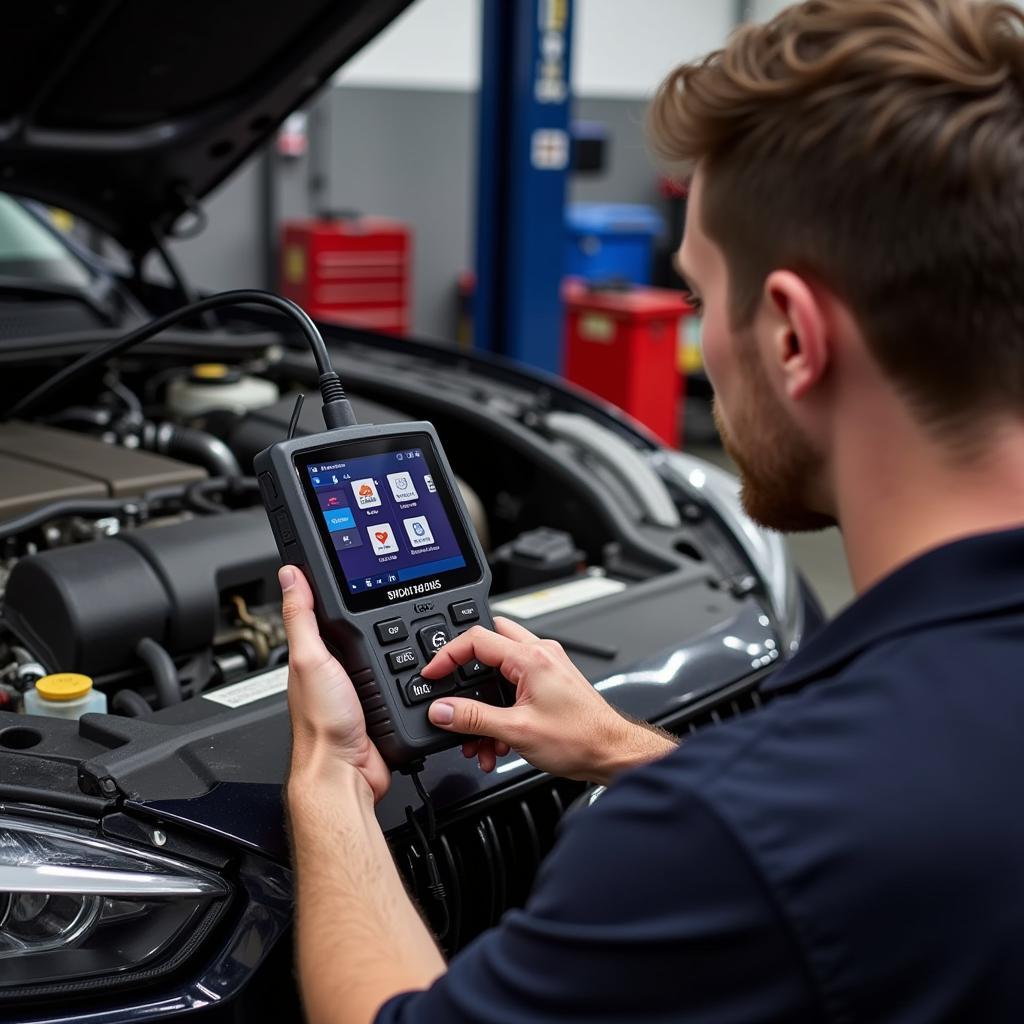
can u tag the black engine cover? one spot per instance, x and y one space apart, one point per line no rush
84 608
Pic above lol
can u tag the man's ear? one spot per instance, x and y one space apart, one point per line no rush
800 341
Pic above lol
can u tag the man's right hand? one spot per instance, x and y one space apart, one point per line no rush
559 722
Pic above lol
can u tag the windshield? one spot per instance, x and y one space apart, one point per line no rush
30 252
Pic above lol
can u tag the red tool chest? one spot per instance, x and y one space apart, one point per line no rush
622 345
350 270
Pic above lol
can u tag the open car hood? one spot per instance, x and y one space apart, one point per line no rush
127 113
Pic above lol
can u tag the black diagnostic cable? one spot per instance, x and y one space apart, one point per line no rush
414 771
424 842
337 409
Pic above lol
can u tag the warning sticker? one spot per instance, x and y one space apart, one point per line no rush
553 599
248 690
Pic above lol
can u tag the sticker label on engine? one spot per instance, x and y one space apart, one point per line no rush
553 599
248 690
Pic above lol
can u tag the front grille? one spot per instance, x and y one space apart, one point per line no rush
720 711
489 859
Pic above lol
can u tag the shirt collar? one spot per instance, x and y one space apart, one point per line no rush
964 579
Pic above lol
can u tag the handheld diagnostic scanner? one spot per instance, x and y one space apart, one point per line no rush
373 517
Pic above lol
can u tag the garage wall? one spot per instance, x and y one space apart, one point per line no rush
762 10
402 135
411 155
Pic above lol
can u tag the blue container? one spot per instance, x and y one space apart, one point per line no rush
611 240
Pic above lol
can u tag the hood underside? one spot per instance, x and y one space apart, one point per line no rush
129 112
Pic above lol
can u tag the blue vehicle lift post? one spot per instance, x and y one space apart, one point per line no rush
522 173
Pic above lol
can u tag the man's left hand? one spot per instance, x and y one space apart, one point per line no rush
328 727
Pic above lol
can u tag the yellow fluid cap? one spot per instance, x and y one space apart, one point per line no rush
210 371
63 686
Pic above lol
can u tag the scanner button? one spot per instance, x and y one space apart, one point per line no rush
473 670
391 631
269 489
432 638
418 689
284 526
400 661
464 611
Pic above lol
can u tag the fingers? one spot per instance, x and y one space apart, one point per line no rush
480 644
460 714
477 748
487 757
306 651
473 748
481 749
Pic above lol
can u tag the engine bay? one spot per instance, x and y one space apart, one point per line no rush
134 549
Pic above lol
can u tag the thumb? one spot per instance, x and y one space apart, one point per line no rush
460 714
305 648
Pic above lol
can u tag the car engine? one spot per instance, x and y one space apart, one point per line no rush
118 529
105 544
134 549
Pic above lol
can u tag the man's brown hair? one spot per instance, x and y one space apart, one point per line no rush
876 146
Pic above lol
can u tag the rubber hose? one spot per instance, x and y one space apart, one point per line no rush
130 703
193 445
165 673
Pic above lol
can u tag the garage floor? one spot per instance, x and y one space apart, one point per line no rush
819 555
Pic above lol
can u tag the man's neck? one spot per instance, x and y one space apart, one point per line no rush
896 500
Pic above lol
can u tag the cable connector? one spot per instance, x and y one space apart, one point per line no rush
337 409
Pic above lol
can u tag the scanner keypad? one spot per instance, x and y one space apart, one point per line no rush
474 679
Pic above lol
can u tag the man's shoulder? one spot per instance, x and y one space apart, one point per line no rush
884 733
868 809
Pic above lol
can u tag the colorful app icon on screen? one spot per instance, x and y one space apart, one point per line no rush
382 538
402 486
365 491
419 532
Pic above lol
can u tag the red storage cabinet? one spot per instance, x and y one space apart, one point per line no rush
622 346
350 270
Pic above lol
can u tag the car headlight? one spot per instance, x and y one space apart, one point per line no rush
80 911
765 550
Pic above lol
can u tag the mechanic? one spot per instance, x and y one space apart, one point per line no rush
853 851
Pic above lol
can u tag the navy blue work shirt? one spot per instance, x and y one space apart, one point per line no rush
853 851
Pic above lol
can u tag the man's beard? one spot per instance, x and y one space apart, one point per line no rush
777 464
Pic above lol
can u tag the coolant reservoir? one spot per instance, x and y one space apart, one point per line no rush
64 695
213 386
